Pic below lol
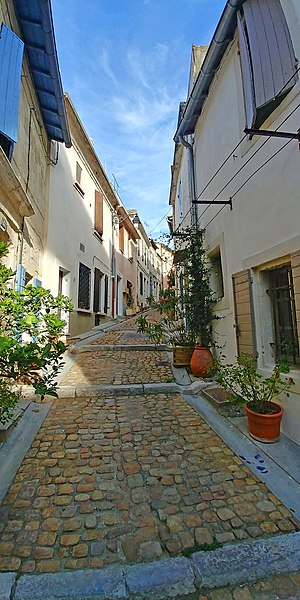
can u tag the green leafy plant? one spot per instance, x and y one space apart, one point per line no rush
197 296
246 385
31 350
8 401
166 331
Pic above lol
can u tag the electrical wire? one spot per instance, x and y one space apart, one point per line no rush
245 164
211 179
229 156
159 222
250 177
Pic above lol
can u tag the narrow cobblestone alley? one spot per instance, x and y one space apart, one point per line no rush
114 478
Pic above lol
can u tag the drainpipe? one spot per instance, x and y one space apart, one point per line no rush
113 266
192 183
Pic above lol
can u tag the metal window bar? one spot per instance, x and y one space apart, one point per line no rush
284 312
84 287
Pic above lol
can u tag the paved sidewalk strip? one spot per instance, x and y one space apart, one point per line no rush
125 480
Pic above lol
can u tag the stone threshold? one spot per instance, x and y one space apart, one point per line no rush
233 564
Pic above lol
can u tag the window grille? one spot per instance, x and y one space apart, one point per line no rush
282 297
84 287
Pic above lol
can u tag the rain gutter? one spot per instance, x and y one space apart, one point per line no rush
222 37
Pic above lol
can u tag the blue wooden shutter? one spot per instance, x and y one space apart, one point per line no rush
36 282
272 55
20 278
11 55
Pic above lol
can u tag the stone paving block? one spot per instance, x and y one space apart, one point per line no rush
160 579
7 581
108 584
248 561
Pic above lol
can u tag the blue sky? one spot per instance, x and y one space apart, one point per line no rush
125 64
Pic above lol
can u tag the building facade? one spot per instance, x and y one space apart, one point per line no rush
90 234
32 113
245 181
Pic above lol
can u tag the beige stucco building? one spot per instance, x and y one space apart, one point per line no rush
246 184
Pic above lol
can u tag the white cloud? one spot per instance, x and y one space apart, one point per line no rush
104 63
131 113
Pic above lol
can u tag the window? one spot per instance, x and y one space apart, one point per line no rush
106 294
98 216
78 179
98 276
281 293
141 284
267 56
217 275
84 287
180 201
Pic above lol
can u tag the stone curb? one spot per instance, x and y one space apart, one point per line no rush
131 389
7 582
233 564
125 347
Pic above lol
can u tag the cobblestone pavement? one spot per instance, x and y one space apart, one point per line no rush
277 588
129 479
119 367
126 337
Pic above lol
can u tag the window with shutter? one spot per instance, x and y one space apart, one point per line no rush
84 287
244 316
268 59
98 217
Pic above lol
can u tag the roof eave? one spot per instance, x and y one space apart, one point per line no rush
222 37
47 30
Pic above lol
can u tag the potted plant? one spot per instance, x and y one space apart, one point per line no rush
169 331
247 386
130 308
31 349
197 297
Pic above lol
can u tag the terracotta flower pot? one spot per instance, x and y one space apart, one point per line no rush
264 428
201 362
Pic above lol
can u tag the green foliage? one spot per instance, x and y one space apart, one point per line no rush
8 401
30 327
245 384
197 298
